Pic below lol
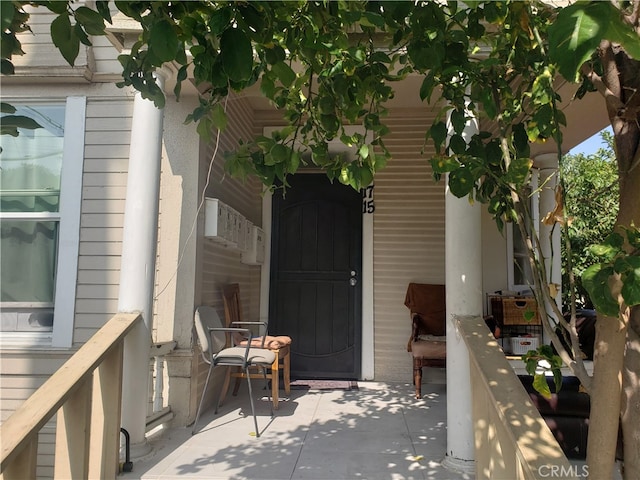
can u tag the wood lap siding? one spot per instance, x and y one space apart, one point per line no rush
408 234
408 238
39 49
17 386
222 265
108 127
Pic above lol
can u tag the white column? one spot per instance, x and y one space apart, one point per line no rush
463 265
550 238
137 272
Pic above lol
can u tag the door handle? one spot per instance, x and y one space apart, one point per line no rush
353 280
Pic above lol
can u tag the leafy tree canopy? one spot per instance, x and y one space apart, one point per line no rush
326 65
591 202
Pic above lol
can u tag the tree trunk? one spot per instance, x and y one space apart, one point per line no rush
606 397
630 404
630 413
611 364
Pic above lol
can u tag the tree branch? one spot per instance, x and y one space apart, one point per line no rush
612 101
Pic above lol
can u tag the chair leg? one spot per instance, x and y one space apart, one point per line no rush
236 387
225 388
275 379
253 410
286 375
417 377
266 385
204 391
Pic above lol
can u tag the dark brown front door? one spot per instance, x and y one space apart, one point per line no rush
315 293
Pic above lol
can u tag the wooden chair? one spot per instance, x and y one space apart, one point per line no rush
280 345
427 344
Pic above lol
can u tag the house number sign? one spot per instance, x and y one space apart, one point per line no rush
367 199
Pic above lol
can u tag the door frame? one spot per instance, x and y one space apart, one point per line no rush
367 346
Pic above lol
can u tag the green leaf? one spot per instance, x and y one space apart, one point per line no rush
461 182
542 90
237 54
488 102
330 124
518 171
631 285
7 108
371 19
219 117
280 153
6 14
379 57
64 38
576 33
521 141
595 280
54 6
274 55
619 31
633 236
611 247
327 105
204 127
631 262
438 132
458 120
546 351
6 67
457 144
531 363
91 20
163 41
81 34
426 55
20 121
426 89
363 152
366 177
557 378
5 130
180 77
284 72
103 9
294 162
252 17
541 385
219 20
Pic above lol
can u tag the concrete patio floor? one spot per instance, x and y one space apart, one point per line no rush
376 432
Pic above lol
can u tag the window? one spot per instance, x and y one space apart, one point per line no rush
520 277
40 187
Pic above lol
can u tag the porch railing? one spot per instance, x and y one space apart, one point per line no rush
512 440
158 411
86 394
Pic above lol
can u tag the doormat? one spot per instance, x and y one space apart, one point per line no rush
324 385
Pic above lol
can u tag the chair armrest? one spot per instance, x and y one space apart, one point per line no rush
263 324
415 326
233 330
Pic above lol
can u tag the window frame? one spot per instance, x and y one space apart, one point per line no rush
534 205
68 218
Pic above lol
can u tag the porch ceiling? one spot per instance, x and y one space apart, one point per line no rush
585 117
